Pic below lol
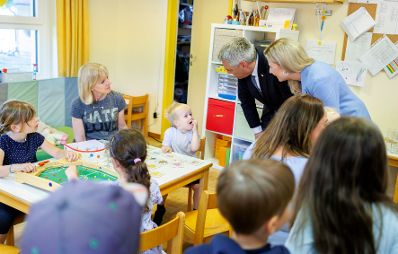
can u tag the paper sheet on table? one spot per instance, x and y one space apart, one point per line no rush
277 17
379 55
323 51
387 17
392 68
355 49
353 72
357 23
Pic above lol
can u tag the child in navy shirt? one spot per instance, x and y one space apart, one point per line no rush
253 196
19 142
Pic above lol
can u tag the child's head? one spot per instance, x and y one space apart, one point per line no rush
84 217
180 116
128 152
295 127
17 116
347 171
254 193
92 77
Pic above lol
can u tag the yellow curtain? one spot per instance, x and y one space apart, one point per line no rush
72 36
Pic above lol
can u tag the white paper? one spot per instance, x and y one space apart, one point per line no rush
290 34
392 68
355 49
379 55
277 17
387 18
357 23
353 72
323 51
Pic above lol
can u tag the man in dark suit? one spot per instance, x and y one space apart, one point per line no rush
247 63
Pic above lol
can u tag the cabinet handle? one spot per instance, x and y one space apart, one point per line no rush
219 116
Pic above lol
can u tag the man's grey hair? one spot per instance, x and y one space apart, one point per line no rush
238 50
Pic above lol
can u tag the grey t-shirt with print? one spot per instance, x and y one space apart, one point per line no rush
100 119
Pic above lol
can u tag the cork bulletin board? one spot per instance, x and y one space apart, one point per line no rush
372 9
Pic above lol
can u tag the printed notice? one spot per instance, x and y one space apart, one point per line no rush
357 23
379 55
323 51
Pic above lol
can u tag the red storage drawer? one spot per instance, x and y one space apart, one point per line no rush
220 116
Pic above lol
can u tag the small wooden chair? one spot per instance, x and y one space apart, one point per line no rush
137 110
395 199
171 232
6 249
207 221
200 154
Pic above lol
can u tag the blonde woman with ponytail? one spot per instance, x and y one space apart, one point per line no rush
288 61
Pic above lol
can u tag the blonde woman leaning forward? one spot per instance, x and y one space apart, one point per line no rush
289 61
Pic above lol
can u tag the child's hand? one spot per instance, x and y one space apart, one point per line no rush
195 125
71 172
71 156
167 149
24 167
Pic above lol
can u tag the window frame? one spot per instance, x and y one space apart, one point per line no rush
45 24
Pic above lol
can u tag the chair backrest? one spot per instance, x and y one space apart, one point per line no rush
6 249
137 110
201 152
171 232
208 200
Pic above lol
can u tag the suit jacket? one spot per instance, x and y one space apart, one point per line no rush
273 94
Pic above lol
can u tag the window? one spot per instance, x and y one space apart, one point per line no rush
27 36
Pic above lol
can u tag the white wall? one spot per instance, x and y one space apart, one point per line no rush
380 94
128 36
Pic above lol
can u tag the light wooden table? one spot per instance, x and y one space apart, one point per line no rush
393 160
171 171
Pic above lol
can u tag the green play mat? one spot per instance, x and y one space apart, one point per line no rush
57 174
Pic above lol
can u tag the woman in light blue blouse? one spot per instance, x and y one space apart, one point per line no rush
289 61
342 205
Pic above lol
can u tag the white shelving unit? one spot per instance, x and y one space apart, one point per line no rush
225 115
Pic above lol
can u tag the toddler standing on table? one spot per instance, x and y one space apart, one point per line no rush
128 151
182 137
19 142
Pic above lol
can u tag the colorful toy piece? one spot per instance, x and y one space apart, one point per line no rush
42 163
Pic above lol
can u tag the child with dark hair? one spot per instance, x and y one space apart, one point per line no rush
19 142
342 206
253 196
128 151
